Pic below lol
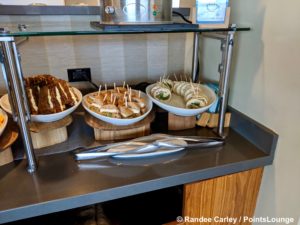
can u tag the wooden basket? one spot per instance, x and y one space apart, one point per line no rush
108 132
180 122
48 134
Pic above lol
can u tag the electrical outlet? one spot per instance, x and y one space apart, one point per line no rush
79 74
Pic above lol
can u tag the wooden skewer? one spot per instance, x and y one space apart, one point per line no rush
126 104
118 90
130 92
114 86
139 94
192 86
105 97
105 88
111 97
115 98
99 90
124 84
175 77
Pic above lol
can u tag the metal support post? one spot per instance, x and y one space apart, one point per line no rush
14 81
195 57
224 69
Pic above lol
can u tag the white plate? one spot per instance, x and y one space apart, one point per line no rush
160 152
176 104
4 103
3 125
116 121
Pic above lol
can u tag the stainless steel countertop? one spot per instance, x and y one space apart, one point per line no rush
59 184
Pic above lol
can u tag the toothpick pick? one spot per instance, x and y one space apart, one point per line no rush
99 90
126 104
124 84
114 86
105 97
105 88
130 92
192 86
118 90
115 98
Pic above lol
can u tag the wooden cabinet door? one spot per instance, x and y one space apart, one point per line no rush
222 198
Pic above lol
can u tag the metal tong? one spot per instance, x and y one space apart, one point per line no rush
146 144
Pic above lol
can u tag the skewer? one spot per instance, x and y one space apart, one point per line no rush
99 90
105 88
115 98
111 97
124 84
192 86
118 90
139 94
105 97
114 86
175 77
130 93
127 87
126 103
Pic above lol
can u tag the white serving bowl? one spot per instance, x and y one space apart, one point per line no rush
3 126
47 118
176 104
116 121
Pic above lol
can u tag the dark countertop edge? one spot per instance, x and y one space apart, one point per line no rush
130 190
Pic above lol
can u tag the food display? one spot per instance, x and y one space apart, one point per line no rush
47 94
191 92
119 102
118 106
3 121
181 98
49 98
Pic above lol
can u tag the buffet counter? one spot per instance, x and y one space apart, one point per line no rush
61 183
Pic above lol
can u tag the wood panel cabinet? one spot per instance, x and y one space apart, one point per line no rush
222 200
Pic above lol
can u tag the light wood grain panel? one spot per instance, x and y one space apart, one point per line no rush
49 137
157 45
228 196
180 123
176 53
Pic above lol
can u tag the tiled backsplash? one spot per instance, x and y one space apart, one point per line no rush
112 58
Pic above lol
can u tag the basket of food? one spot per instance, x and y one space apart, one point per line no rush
50 99
119 106
181 98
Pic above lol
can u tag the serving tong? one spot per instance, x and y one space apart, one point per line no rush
147 144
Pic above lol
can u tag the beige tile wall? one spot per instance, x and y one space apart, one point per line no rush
112 58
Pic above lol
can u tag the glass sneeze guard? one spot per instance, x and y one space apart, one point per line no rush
25 26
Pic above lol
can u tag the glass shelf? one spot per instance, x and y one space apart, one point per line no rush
81 25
